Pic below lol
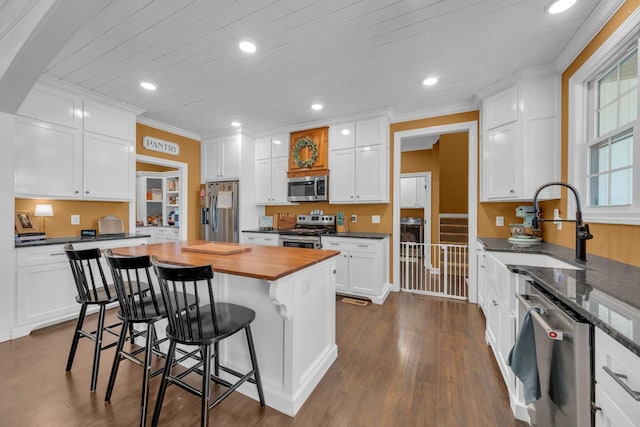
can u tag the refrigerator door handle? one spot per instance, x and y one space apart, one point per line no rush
214 212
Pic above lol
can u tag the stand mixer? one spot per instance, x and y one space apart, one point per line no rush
524 233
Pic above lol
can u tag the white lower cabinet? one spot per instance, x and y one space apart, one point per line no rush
362 266
501 311
45 290
617 389
160 234
264 239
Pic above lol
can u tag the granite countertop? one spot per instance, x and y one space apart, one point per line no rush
77 239
607 292
352 234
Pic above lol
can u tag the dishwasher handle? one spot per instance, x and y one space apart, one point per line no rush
552 333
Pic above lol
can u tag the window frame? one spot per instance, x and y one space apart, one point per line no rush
581 126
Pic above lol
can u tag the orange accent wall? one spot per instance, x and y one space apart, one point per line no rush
190 154
454 178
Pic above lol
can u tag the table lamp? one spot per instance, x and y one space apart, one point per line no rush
43 211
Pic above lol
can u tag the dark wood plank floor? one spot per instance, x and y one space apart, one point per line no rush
415 361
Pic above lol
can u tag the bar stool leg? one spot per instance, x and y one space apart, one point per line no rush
98 348
116 360
254 363
148 352
206 385
163 383
76 337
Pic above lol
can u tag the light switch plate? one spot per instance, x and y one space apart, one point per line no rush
75 219
375 219
499 221
354 218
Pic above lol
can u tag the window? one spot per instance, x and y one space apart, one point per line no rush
604 130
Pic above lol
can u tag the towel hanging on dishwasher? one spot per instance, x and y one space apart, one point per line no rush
523 362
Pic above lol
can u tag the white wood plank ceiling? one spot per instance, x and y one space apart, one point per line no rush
350 55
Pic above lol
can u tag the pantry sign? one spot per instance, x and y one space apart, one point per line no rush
155 144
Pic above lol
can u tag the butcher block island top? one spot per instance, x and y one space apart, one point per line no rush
260 262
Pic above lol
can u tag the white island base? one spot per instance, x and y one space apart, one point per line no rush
294 332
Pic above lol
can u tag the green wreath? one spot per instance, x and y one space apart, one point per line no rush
300 144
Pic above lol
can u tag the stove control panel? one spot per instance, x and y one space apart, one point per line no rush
316 220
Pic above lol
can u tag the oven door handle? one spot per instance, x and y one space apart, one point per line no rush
553 334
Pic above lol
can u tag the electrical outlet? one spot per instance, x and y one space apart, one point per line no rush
499 221
375 219
354 218
75 219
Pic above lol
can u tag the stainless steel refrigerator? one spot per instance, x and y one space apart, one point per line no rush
219 214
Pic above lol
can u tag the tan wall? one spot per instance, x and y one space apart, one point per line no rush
454 179
190 154
148 167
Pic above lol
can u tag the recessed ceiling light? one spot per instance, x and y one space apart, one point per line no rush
247 46
558 6
430 81
316 107
236 124
148 85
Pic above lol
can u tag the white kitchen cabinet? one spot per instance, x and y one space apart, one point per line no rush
617 406
413 191
45 290
520 144
264 239
221 159
160 234
272 164
361 267
481 277
358 165
70 146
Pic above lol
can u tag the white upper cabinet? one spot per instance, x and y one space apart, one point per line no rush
221 159
413 191
70 146
359 162
520 145
272 163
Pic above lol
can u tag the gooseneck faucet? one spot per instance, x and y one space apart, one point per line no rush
582 230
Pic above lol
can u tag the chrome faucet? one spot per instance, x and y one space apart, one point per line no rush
582 230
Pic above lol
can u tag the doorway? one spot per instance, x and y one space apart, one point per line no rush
181 171
471 129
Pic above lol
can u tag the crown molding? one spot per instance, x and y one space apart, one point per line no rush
167 128
435 112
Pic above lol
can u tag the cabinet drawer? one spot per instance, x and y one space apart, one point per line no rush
348 244
264 239
613 360
39 255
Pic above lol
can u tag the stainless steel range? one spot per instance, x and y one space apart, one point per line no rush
307 231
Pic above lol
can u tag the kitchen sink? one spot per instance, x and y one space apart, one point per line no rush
533 260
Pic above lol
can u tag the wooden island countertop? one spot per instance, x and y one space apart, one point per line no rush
260 262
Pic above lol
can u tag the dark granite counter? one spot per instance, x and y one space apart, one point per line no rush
606 292
257 230
355 235
78 239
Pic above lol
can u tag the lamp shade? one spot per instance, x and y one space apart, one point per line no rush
43 210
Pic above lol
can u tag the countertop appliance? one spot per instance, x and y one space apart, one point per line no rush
307 231
219 211
563 353
411 230
308 189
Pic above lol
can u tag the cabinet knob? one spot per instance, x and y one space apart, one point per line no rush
86 192
511 191
76 191
494 302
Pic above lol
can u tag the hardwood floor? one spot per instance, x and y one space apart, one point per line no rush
414 361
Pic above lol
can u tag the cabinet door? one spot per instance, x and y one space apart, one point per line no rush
53 106
499 164
342 272
408 191
364 276
106 120
280 145
609 414
501 108
371 174
230 157
48 160
371 132
210 160
279 180
421 191
482 287
109 168
263 148
342 136
342 176
263 182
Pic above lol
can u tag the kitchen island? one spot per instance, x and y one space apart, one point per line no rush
292 291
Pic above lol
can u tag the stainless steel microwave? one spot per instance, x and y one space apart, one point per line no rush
308 189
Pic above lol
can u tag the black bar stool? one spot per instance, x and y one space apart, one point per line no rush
140 303
93 289
203 326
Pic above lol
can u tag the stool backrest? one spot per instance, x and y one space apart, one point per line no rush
133 282
176 284
88 274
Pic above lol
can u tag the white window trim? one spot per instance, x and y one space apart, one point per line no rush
578 125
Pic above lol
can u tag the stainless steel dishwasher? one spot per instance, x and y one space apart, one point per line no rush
564 358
